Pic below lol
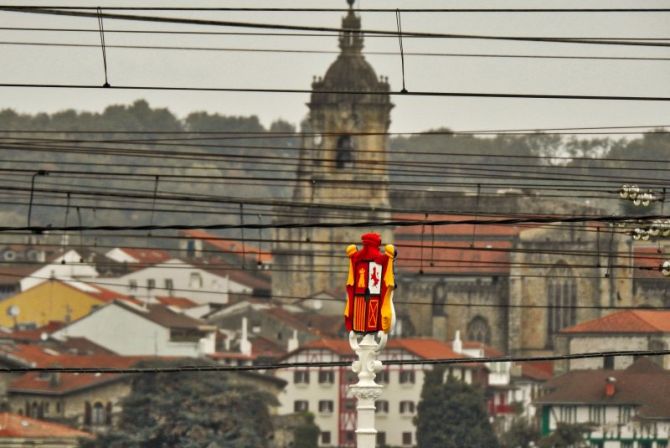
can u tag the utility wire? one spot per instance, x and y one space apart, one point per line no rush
300 35
371 53
341 92
276 26
313 364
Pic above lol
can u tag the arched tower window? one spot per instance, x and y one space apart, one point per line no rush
561 300
344 153
439 298
479 330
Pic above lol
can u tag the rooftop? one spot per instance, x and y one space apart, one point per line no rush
14 425
643 384
628 321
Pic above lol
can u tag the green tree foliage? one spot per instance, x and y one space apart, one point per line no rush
190 410
519 435
566 436
452 415
306 435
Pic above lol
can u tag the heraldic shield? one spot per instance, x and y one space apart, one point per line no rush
370 286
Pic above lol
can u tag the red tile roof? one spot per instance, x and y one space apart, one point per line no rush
457 257
423 348
14 425
453 230
230 246
148 256
177 302
628 321
647 261
35 334
541 371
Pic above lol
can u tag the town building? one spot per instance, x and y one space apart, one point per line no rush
54 300
622 408
175 278
323 390
147 330
639 329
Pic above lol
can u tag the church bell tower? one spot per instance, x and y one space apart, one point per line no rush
342 175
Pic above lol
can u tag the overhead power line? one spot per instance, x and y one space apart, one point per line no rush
276 26
343 92
353 224
301 35
313 364
338 10
292 51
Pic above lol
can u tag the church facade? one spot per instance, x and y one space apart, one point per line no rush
510 287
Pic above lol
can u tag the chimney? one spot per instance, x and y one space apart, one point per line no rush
245 345
457 345
293 343
610 386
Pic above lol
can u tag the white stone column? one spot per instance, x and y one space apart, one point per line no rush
366 390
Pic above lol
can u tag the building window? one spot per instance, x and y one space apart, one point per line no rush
169 285
325 438
568 414
87 414
624 415
381 439
479 330
597 414
300 406
344 157
382 377
407 377
195 280
561 300
326 406
608 362
382 407
350 404
98 417
301 377
439 298
151 283
406 438
349 437
657 345
407 407
132 285
326 377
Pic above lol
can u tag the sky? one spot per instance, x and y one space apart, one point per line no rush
35 64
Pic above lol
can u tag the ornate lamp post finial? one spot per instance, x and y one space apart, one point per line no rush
369 317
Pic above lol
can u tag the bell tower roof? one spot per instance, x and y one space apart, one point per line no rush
350 71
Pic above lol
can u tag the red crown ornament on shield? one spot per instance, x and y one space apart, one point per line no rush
370 286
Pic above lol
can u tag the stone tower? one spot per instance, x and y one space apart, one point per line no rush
342 175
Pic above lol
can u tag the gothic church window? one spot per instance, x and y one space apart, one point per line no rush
479 330
344 154
439 298
562 299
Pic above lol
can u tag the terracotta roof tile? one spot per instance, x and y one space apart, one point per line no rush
230 246
628 321
647 262
457 258
14 425
150 256
177 302
462 230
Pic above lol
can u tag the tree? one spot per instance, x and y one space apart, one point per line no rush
565 436
452 415
189 410
520 434
306 435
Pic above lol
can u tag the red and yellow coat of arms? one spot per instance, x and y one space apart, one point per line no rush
370 286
